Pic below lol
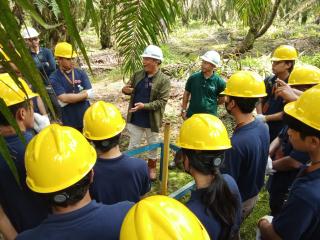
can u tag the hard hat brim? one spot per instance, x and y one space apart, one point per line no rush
151 56
209 61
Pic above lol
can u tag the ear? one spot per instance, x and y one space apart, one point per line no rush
21 114
314 142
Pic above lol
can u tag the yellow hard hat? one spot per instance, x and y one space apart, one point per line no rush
102 120
245 84
284 52
304 75
65 50
306 108
57 158
161 217
10 91
4 54
203 132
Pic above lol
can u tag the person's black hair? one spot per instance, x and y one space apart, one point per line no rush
292 64
217 198
246 105
13 109
304 129
70 195
106 144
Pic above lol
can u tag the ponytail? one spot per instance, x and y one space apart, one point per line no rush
218 199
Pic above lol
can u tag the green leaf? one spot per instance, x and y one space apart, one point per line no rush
72 29
27 6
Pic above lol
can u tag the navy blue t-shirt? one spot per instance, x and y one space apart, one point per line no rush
272 104
247 159
72 114
210 221
23 207
300 216
119 179
142 93
45 63
93 221
280 181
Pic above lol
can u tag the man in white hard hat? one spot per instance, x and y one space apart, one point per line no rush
42 57
149 90
203 88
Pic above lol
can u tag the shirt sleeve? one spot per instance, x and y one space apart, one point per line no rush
221 85
51 61
57 86
189 84
85 80
294 219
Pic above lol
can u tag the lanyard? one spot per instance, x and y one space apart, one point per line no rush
71 81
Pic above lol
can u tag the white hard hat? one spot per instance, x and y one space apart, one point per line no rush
153 51
211 57
29 32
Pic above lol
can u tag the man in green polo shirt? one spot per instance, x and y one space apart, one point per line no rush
203 88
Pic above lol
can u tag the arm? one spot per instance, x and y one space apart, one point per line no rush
73 97
267 230
6 227
41 106
286 163
274 145
184 105
274 117
51 61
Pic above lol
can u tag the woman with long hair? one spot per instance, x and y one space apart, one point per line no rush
216 200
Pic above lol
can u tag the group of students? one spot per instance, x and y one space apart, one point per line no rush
78 185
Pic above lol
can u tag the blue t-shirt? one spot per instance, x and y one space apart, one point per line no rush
93 221
210 221
119 179
142 93
273 104
72 114
300 216
45 63
280 181
247 159
23 207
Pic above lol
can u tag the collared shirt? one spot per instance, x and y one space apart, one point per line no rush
119 179
72 114
300 216
93 221
247 159
23 207
142 90
204 93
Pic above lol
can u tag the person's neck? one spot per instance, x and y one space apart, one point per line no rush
83 202
202 181
283 76
9 131
112 153
243 118
314 157
207 74
153 72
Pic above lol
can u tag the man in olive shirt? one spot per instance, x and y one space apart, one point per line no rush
203 88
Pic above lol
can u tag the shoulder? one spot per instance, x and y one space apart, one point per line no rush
196 75
117 208
56 75
134 161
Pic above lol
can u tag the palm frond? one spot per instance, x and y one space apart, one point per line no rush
138 24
